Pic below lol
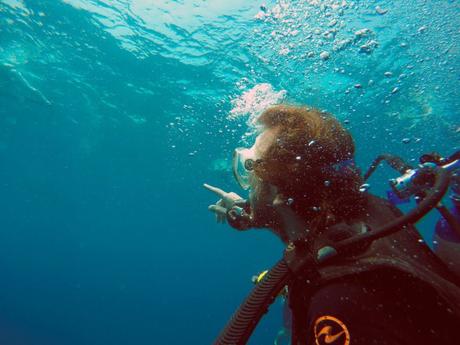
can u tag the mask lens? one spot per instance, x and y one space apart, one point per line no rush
249 164
242 165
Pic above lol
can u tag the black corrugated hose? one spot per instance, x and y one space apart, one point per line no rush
248 315
435 195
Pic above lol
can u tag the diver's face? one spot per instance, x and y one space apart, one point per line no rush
262 194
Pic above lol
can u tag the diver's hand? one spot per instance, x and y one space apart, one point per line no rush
226 202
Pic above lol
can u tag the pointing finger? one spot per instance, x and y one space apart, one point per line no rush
216 190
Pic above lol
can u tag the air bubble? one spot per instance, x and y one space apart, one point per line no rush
380 10
364 187
324 55
422 29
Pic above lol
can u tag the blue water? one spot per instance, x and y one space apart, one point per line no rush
113 114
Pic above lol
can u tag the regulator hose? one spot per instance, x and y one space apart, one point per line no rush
451 158
434 196
248 315
395 162
245 319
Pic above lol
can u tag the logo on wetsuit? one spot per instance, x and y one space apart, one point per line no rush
331 331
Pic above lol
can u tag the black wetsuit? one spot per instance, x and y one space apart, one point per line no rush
397 292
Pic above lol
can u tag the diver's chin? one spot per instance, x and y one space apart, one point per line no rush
268 224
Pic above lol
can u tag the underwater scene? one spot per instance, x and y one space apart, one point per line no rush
114 113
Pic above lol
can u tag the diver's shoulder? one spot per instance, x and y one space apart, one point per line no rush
375 199
378 204
377 211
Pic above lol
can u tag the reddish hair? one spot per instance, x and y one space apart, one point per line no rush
306 163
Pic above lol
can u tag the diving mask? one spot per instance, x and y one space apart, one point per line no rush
243 165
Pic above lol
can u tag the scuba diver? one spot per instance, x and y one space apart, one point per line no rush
355 270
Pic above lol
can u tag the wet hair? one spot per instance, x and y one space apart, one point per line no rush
311 164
